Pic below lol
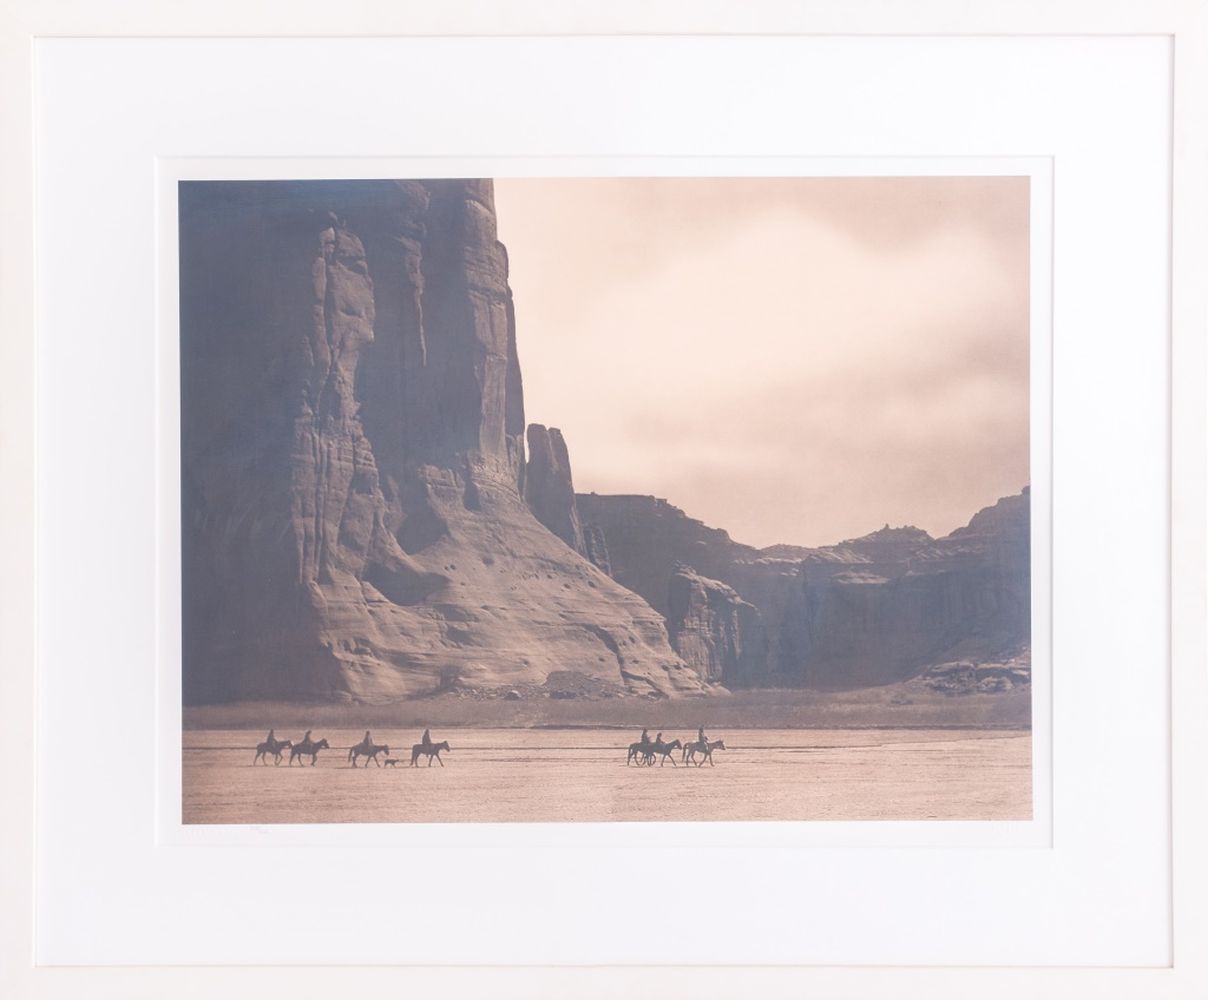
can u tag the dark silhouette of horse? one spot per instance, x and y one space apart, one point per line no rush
664 751
647 753
704 749
429 750
273 747
307 748
368 751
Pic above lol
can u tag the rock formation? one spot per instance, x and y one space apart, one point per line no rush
969 677
716 632
360 521
867 611
353 471
647 539
548 487
595 547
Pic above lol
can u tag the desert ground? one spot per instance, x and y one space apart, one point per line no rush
580 774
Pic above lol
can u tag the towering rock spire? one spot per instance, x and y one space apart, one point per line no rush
548 486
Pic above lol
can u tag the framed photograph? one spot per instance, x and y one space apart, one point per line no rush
551 499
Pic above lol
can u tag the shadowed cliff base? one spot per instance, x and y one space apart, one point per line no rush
896 706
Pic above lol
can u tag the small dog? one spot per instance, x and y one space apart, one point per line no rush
391 761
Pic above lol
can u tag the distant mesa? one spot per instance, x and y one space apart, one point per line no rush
867 611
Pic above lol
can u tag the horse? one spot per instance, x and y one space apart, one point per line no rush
704 749
692 745
307 747
431 750
367 750
270 746
665 750
647 752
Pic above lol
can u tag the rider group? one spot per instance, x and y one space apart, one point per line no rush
645 740
271 739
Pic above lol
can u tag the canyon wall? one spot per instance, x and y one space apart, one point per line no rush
366 515
718 634
353 463
867 611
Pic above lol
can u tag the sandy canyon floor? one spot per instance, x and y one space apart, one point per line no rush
580 774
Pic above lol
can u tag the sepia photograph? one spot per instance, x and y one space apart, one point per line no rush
583 499
482 477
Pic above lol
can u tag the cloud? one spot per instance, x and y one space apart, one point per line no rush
795 360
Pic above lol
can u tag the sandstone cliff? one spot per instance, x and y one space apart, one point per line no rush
647 539
866 611
716 632
548 486
353 462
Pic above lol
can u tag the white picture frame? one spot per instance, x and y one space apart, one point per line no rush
24 662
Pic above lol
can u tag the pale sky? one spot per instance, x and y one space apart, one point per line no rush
796 360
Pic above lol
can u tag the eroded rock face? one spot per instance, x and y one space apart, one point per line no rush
717 633
882 607
353 459
647 539
870 610
595 547
548 486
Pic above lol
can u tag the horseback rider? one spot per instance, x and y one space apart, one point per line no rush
658 739
426 739
366 742
700 738
306 738
271 739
